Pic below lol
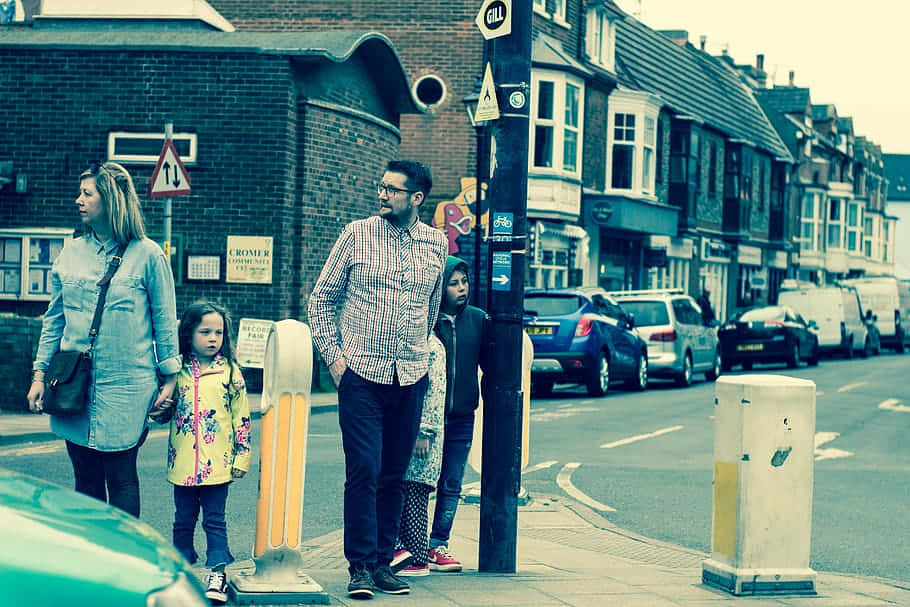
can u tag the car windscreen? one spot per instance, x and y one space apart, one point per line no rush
769 313
646 313
552 305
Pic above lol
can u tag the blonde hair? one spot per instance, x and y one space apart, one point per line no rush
121 203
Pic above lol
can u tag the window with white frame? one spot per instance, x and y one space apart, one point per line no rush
540 6
631 143
886 241
600 38
560 11
868 236
854 227
811 222
26 258
556 128
835 223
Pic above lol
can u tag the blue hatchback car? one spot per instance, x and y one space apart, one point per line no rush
582 335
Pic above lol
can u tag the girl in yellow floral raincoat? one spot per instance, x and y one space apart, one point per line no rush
209 443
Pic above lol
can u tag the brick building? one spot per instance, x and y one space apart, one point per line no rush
283 135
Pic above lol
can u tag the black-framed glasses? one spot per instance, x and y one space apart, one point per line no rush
391 190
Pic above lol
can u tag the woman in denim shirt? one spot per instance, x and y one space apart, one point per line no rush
136 354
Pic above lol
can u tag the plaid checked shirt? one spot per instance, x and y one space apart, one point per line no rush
389 281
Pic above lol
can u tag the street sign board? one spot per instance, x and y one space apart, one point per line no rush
502 271
169 177
495 18
487 105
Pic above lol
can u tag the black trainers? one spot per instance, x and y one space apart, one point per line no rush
388 582
216 588
361 585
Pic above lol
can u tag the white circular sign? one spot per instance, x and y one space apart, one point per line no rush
517 100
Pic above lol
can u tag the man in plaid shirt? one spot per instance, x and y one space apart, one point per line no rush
386 272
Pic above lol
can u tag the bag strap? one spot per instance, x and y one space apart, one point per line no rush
104 283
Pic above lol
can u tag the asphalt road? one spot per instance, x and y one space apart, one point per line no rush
654 478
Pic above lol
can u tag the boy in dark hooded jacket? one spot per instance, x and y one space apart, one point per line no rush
464 331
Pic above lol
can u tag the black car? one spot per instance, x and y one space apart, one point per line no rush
766 335
583 336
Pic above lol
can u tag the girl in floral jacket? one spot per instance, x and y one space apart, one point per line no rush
209 443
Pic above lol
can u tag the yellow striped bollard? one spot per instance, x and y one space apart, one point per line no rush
276 576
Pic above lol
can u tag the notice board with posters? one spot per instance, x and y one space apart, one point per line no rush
252 336
249 259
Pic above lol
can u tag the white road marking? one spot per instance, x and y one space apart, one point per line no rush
633 439
564 480
540 466
568 412
830 452
819 393
469 487
891 405
849 387
33 450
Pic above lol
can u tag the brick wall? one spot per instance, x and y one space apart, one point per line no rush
438 38
262 168
18 340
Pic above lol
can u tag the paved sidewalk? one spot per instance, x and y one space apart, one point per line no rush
569 555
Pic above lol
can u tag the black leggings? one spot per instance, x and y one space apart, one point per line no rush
412 534
109 476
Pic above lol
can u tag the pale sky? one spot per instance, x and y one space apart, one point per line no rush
851 54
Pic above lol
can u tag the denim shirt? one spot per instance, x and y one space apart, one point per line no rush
137 336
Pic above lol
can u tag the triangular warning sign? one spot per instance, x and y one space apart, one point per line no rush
169 177
487 106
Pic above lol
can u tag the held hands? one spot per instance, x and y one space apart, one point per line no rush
237 473
165 392
337 369
422 447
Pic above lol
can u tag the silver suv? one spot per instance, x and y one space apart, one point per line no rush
680 344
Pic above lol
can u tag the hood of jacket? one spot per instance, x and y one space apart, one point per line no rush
452 263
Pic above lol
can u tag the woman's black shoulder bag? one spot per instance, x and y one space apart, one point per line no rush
69 375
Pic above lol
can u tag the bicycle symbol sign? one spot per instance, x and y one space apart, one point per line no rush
502 223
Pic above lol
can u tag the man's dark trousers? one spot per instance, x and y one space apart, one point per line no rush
379 424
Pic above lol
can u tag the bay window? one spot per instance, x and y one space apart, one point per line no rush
835 223
632 142
557 114
811 222
854 227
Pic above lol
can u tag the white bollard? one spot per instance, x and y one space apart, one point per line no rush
475 456
274 576
764 443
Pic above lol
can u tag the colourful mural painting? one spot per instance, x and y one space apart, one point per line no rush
456 217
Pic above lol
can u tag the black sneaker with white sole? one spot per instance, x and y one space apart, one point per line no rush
216 588
386 581
361 584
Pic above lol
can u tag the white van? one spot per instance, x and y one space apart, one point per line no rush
881 295
836 313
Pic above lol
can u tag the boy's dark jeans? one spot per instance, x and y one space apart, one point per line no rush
379 424
459 431
212 499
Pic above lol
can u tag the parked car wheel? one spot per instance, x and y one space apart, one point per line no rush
684 379
640 381
542 387
848 348
793 359
718 366
816 353
599 376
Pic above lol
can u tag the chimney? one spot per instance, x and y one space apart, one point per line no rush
792 77
760 62
702 41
